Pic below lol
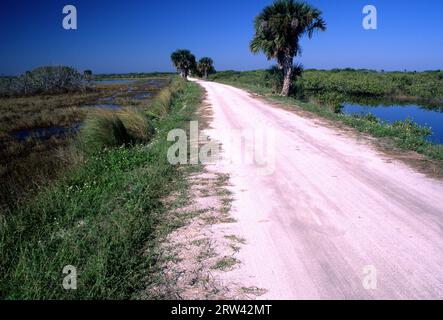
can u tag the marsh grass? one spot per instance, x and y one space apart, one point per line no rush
138 124
103 129
334 85
27 165
162 103
105 217
106 128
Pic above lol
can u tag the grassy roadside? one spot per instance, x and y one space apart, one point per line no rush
405 135
104 218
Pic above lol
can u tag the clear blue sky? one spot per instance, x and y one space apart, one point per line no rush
139 35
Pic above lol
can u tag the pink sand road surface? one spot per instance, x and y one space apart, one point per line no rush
333 211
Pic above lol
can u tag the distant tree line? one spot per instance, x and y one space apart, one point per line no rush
132 75
47 80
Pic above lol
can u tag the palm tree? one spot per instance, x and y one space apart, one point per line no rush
205 66
278 29
275 77
184 61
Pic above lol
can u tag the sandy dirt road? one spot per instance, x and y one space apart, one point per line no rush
334 215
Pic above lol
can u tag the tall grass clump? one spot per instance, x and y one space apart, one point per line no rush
162 102
103 129
138 124
108 128
161 105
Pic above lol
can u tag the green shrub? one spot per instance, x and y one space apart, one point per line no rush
48 80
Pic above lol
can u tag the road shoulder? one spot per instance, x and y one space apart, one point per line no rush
198 257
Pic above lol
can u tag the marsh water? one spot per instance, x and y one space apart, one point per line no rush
390 112
105 106
46 133
104 103
114 81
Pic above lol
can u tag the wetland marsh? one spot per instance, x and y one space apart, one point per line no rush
37 131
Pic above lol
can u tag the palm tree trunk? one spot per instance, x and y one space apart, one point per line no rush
184 75
287 71
206 74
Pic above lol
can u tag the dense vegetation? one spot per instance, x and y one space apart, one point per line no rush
348 84
320 91
47 80
426 86
104 217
